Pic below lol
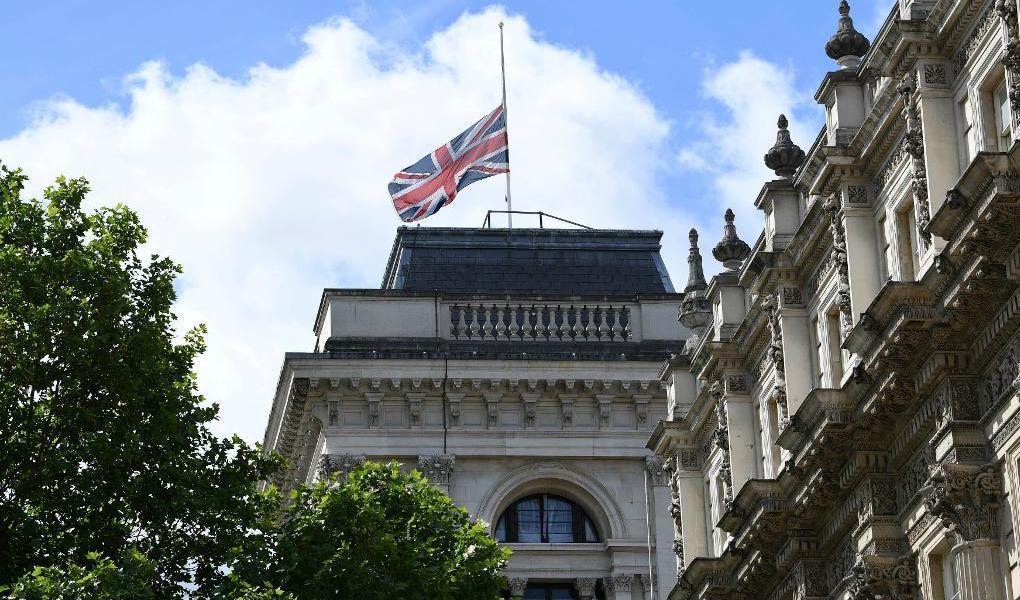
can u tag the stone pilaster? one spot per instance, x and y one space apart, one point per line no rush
667 532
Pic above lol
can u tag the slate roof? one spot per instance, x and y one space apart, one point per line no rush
527 261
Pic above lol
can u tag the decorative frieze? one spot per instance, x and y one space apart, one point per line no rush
966 49
1007 12
966 499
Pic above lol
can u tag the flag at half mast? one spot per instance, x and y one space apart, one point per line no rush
433 182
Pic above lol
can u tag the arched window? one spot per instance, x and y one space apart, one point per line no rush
545 519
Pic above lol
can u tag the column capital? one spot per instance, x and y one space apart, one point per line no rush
585 587
883 577
517 586
342 464
659 468
967 499
437 468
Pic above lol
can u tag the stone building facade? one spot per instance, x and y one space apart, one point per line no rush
844 421
519 371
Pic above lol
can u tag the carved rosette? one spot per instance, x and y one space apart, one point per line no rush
913 145
880 578
1007 11
340 465
437 468
775 326
839 262
967 500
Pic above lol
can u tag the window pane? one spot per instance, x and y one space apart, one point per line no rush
561 593
501 529
529 521
559 520
589 531
536 592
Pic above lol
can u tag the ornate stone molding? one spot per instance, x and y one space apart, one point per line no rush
875 578
914 147
722 440
775 352
676 513
437 468
340 464
659 468
838 259
967 500
620 583
1007 11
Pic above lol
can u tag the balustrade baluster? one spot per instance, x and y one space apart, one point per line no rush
500 325
577 329
515 329
458 321
590 329
626 328
564 324
527 331
541 329
473 330
603 324
617 328
487 325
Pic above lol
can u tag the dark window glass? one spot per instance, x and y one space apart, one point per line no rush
545 519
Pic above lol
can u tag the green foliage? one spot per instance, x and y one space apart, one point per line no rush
104 439
384 534
99 580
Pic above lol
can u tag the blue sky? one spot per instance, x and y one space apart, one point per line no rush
256 138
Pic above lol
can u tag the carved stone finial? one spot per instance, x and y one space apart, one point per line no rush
695 271
848 45
731 250
785 157
695 310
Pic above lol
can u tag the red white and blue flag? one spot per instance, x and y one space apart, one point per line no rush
433 182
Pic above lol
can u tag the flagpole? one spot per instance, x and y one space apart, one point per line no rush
502 69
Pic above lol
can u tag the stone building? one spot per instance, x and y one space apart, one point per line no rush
844 421
519 371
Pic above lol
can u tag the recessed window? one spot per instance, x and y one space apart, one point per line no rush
545 519
835 352
906 241
968 130
1002 118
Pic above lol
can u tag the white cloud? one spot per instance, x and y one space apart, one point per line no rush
271 187
753 93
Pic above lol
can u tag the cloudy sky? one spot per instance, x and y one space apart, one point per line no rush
256 138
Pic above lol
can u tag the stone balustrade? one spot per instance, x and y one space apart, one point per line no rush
540 322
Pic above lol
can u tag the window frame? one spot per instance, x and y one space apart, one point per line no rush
580 520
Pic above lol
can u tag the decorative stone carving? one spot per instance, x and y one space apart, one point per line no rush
935 74
585 587
737 384
659 468
530 400
784 157
688 459
492 409
605 406
775 353
857 194
567 408
437 468
676 513
695 310
879 578
914 147
966 499
340 465
1007 11
838 258
453 401
517 586
1002 378
847 42
334 412
621 583
414 402
731 250
722 440
646 584
373 399
792 296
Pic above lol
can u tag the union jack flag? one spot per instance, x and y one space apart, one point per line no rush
433 182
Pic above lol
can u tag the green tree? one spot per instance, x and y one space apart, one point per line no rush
382 534
105 444
100 579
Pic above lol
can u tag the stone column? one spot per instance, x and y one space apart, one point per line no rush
967 499
694 541
797 347
661 471
621 585
585 587
517 586
862 250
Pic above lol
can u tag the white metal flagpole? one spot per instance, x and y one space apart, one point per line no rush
502 68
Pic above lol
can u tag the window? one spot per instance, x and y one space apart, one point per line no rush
906 241
835 352
885 248
545 519
1003 134
969 134
817 360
